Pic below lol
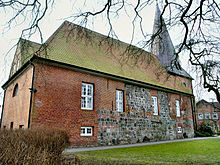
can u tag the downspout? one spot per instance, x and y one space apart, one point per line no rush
192 99
31 90
2 108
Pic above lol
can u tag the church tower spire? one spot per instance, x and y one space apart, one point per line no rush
162 45
163 48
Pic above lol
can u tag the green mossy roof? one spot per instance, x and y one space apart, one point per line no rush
72 44
27 49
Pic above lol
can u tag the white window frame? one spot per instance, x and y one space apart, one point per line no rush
214 113
179 130
178 108
86 131
14 69
119 100
86 96
154 105
18 64
207 116
200 116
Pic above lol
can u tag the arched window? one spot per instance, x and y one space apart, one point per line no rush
15 91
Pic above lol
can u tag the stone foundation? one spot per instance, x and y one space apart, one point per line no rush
138 124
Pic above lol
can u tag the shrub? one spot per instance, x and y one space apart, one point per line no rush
204 130
35 146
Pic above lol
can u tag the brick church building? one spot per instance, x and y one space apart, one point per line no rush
100 90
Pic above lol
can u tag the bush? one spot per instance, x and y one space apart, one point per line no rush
35 146
204 130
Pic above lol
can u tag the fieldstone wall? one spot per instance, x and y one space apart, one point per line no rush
137 123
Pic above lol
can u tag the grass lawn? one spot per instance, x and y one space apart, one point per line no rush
190 152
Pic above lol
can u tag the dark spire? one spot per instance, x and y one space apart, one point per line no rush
163 48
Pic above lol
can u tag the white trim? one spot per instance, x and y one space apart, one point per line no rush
214 115
86 131
177 108
179 129
207 116
200 116
87 96
154 105
119 101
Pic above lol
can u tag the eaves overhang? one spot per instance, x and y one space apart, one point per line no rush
16 74
38 59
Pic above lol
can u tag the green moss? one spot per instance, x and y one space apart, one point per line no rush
87 51
77 46
27 49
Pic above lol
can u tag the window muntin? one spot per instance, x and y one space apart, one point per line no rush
207 116
86 131
179 129
154 105
15 91
87 96
200 116
177 108
214 115
119 101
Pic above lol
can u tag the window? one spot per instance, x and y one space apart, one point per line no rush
200 116
207 116
119 101
177 108
21 126
214 115
87 96
154 105
15 91
11 125
179 129
86 131
184 84
14 69
18 64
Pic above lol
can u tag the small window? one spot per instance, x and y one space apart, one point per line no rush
154 105
14 69
86 131
214 115
177 108
179 129
119 101
200 116
207 116
87 96
21 126
18 64
11 125
15 91
184 84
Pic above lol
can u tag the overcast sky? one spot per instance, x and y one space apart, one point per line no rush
54 18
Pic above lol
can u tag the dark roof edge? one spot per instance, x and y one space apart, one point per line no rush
210 103
107 75
90 71
173 73
16 74
25 40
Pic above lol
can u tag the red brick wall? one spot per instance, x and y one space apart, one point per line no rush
57 101
203 108
185 110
